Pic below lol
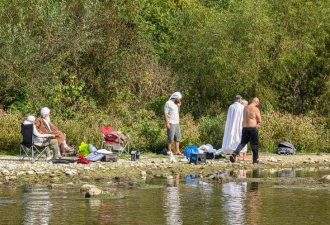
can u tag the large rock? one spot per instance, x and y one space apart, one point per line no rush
59 186
71 172
272 159
326 178
87 187
143 174
5 172
94 191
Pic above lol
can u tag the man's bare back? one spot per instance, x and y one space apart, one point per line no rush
251 114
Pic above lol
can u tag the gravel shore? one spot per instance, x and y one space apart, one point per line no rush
13 171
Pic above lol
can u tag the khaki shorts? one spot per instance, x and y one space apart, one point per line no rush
173 133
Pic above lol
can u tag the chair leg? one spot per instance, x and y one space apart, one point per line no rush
38 154
25 152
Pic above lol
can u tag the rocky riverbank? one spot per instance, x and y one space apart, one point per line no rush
126 173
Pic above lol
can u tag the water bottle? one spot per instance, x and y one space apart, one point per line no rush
138 154
133 155
92 148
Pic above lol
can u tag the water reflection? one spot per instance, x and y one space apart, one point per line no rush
189 179
106 216
38 207
286 173
172 201
234 195
253 203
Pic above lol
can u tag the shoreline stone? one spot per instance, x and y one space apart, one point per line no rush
16 172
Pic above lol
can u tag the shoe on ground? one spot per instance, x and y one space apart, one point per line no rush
49 158
232 158
258 162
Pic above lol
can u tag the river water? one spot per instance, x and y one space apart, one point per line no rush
176 200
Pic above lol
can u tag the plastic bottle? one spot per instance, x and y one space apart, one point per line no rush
92 148
138 154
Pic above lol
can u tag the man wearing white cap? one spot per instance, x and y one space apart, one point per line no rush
45 126
43 139
171 114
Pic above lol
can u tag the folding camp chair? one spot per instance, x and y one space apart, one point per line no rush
120 145
27 146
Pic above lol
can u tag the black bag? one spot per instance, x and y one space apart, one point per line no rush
209 155
64 161
110 158
162 152
285 148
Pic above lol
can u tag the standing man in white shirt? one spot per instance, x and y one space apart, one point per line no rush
171 114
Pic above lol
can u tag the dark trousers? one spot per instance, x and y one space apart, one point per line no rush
249 134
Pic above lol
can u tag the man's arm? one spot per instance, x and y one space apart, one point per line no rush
179 105
258 117
166 121
37 134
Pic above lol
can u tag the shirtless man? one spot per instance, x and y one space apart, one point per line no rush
251 121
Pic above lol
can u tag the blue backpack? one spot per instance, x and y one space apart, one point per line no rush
189 150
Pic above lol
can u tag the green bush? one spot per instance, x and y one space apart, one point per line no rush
10 124
212 129
115 62
307 134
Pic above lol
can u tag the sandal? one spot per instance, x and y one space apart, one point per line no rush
69 149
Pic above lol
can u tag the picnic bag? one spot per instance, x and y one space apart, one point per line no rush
83 149
190 149
285 148
110 158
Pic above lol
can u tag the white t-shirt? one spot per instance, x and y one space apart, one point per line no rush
172 111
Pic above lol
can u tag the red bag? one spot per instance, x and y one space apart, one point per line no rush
82 160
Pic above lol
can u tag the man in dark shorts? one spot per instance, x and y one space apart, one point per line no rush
251 121
171 114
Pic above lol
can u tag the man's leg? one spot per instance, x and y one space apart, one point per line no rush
44 144
177 148
62 148
54 147
177 139
170 137
244 141
254 142
169 145
245 158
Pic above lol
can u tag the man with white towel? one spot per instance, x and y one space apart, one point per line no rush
233 129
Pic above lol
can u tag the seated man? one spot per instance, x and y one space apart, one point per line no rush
44 126
43 139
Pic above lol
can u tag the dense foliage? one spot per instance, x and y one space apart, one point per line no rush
116 62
